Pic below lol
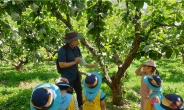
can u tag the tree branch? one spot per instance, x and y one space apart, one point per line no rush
66 22
160 25
117 60
135 46
68 18
92 50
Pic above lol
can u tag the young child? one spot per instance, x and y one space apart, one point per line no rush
148 69
68 101
93 97
45 97
154 83
170 102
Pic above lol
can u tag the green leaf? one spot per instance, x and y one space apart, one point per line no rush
168 53
137 56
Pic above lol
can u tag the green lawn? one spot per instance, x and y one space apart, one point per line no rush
16 87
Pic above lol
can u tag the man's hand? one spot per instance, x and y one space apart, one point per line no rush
91 65
77 59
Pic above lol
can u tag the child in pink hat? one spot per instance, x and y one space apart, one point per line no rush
147 68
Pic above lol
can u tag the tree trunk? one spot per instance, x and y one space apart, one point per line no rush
18 67
116 88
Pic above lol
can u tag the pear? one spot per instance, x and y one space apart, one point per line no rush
35 60
15 16
74 9
145 24
1 42
39 54
29 28
67 1
30 36
42 31
18 2
1 35
80 6
13 3
91 25
34 7
23 34
102 15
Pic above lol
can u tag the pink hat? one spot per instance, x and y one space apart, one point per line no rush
150 63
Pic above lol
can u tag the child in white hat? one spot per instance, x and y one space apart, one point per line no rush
148 69
68 101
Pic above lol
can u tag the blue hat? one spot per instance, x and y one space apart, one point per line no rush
45 96
153 82
92 82
170 102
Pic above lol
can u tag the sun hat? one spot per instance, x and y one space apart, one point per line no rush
170 102
70 36
150 63
45 96
153 82
92 82
62 82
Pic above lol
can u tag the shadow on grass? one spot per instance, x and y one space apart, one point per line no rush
12 78
17 101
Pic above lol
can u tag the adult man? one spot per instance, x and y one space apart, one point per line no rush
69 56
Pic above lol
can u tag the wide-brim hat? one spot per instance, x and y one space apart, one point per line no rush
63 84
150 63
56 95
70 36
170 102
148 83
97 87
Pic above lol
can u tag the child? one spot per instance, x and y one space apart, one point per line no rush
154 83
170 102
93 97
148 68
45 97
68 102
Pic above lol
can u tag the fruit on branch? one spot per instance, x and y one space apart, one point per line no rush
42 31
23 34
1 43
102 15
73 10
18 2
1 35
15 16
91 25
80 6
34 7
145 24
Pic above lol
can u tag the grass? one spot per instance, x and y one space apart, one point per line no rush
16 87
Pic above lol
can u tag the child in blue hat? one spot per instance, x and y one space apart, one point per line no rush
170 102
154 83
68 101
93 97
